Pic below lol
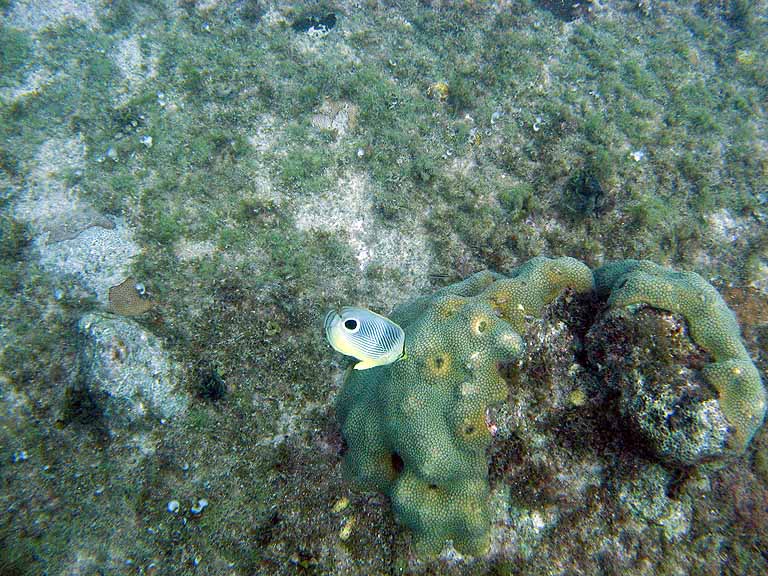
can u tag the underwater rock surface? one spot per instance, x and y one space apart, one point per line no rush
650 362
126 372
251 176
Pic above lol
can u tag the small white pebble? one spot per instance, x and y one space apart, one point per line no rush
201 504
147 141
637 155
19 456
173 506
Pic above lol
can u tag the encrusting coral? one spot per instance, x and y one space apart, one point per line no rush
418 429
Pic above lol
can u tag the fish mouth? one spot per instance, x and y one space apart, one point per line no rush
330 317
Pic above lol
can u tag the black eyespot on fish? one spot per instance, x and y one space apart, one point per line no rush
350 324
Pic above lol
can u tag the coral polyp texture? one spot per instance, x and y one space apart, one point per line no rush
418 429
712 325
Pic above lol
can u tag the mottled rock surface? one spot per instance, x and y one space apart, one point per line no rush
126 371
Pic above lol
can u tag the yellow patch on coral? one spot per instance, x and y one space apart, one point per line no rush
479 324
439 364
438 90
577 397
473 427
745 57
449 305
340 505
346 530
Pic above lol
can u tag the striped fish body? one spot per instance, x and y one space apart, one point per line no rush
365 335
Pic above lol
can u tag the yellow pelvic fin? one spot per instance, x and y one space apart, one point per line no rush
365 364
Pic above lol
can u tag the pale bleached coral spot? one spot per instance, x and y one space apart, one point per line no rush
72 240
35 82
725 226
264 134
189 250
47 203
336 117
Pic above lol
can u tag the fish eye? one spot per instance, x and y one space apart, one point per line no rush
350 324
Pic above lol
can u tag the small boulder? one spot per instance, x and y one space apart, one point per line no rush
126 372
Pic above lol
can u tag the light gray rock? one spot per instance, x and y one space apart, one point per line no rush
81 249
97 259
127 372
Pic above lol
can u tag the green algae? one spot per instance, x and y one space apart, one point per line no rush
15 53
602 90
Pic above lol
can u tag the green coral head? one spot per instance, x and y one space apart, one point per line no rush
418 428
713 326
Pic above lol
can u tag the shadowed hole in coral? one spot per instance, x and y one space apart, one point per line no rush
397 463
209 384
81 408
320 23
479 325
439 364
507 369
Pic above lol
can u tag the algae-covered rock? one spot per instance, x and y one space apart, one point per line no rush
713 327
126 372
418 429
649 362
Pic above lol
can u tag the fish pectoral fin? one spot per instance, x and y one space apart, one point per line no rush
365 364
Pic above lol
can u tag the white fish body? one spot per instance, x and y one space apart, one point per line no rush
365 335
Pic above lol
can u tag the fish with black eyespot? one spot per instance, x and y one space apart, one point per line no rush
365 335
